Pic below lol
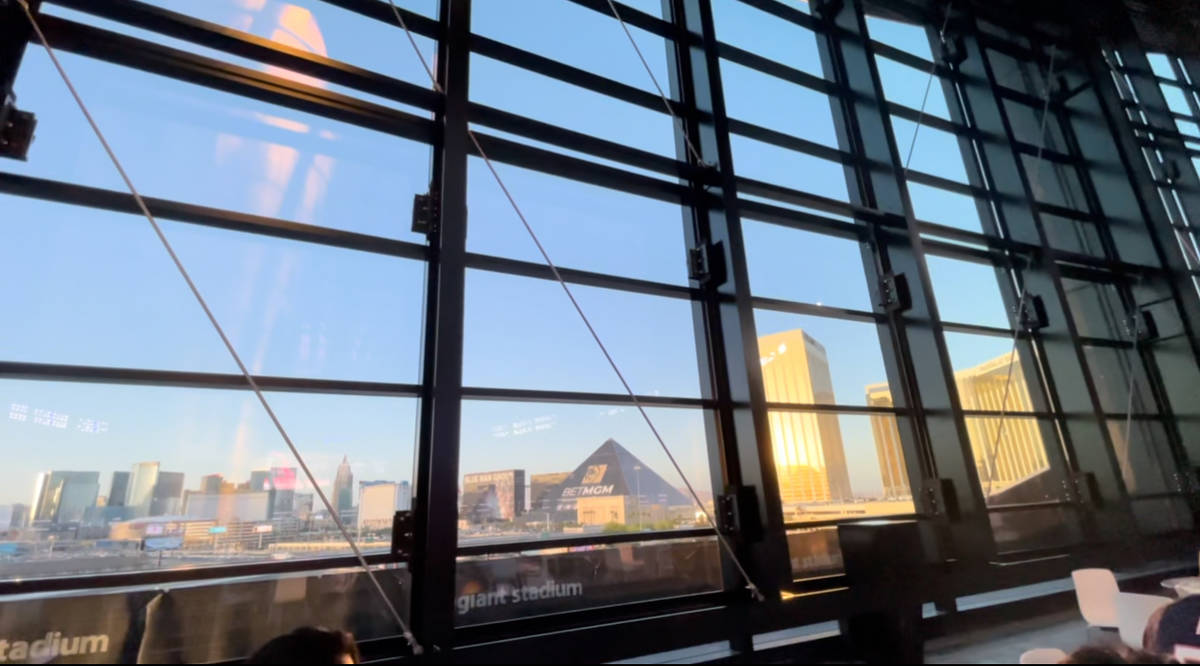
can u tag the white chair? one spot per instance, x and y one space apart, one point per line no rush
1133 612
1043 656
1096 591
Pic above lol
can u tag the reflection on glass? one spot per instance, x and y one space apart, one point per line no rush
536 582
1115 372
1037 528
1144 457
1063 233
1055 184
814 552
128 478
1164 514
1095 308
1010 457
534 470
226 151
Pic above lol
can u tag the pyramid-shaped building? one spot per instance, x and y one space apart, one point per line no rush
610 473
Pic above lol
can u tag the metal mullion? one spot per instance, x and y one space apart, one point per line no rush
541 271
435 489
849 410
782 11
796 307
943 183
834 522
804 221
121 202
798 197
575 542
582 78
124 50
632 16
498 394
979 329
381 11
55 372
788 141
558 164
246 45
940 248
578 141
765 65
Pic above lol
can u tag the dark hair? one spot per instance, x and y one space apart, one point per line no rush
1114 654
1173 624
307 645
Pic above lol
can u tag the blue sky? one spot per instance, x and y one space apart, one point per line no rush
92 287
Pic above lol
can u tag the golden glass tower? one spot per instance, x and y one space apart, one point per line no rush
810 461
887 444
1021 450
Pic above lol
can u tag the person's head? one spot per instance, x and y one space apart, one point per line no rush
1113 654
308 645
1173 625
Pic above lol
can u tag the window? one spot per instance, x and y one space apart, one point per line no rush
805 266
967 292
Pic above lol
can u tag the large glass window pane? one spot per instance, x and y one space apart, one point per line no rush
122 478
1096 309
1038 529
790 168
907 85
225 151
908 37
819 360
967 292
835 466
934 151
934 204
290 308
510 88
774 103
804 266
1160 64
761 33
988 376
553 470
581 226
1176 99
1063 233
1055 184
523 333
1011 459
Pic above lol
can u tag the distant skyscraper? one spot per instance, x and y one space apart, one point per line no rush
260 480
1020 452
283 482
167 495
507 485
810 461
63 497
541 490
118 489
888 449
20 516
142 479
378 502
404 499
211 483
343 489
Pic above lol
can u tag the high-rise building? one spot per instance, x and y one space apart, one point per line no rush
260 480
404 500
118 489
20 516
508 486
888 450
283 482
541 488
343 489
246 506
142 479
168 493
810 460
378 502
211 483
63 497
1020 451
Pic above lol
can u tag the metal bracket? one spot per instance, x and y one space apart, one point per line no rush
706 264
1032 315
829 8
1170 169
1087 489
941 498
403 539
954 50
16 129
427 213
737 513
1142 322
894 295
